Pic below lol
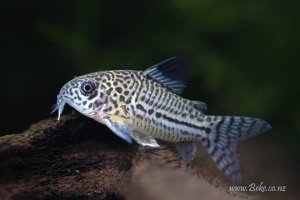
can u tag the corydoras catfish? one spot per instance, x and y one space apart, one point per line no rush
145 106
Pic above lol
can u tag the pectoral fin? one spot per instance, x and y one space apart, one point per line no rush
119 126
187 151
144 140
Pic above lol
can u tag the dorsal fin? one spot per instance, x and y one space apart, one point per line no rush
172 73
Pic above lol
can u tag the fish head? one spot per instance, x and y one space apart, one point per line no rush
82 93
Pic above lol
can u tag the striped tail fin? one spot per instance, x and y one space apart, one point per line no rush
222 141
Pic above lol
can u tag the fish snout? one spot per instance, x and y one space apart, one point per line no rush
59 106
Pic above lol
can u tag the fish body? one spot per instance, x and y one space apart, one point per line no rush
145 105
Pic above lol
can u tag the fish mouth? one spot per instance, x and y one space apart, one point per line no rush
62 101
58 106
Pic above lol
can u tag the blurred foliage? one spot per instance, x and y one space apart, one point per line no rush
243 55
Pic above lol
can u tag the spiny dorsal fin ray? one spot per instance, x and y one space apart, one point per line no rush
172 73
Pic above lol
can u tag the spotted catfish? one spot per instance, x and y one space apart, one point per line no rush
145 106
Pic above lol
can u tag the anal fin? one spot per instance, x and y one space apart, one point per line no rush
187 151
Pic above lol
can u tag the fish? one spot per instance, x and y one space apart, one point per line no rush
146 106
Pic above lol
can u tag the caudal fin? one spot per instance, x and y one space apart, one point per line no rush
222 141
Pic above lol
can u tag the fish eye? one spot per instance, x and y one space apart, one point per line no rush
87 87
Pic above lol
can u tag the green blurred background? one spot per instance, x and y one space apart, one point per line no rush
243 55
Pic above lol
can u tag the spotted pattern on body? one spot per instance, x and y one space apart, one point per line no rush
146 105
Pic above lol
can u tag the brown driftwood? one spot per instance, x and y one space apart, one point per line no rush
77 158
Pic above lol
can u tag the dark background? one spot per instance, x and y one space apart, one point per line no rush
243 56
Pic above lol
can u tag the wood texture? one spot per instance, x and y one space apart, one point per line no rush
77 158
